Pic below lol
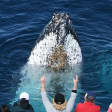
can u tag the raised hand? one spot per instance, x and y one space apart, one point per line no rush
75 81
43 83
43 79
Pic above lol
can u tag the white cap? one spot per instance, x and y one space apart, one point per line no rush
24 95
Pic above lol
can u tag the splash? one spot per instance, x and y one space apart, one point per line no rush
55 82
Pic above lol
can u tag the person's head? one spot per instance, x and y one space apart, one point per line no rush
4 108
59 101
90 97
24 100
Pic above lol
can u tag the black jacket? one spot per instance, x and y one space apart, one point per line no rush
17 107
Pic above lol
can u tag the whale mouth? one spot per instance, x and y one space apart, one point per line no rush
58 47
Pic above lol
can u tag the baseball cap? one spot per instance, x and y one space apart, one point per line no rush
91 96
24 95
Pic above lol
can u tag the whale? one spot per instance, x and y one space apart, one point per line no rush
58 46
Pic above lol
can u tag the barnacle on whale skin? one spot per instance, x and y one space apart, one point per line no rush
58 59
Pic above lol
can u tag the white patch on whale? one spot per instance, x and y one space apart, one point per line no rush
44 48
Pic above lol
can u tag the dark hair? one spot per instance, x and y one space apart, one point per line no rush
59 98
91 96
90 99
4 108
24 103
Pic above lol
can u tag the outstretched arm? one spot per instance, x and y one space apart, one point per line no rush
46 102
72 98
43 84
75 81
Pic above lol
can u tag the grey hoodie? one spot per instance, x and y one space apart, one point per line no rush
49 107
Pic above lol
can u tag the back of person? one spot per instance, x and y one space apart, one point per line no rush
22 105
17 107
59 103
87 107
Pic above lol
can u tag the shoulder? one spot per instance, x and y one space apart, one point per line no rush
97 106
80 104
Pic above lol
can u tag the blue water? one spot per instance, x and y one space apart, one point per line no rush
21 23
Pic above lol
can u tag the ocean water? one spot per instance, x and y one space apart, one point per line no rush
21 24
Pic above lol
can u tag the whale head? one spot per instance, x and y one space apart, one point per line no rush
59 45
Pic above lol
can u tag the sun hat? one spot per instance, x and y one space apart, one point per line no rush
24 95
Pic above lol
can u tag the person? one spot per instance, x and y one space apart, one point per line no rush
88 105
59 103
4 108
23 104
110 108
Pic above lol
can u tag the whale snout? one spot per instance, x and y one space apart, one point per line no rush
60 18
60 25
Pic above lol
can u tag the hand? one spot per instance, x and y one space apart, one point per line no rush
110 106
43 83
75 80
43 79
